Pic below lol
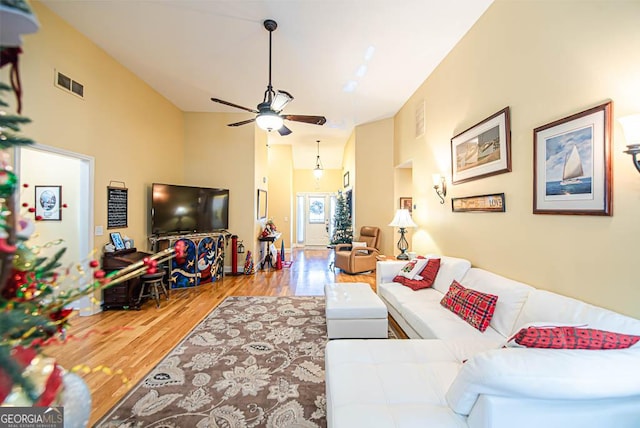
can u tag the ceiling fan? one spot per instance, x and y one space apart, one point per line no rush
268 111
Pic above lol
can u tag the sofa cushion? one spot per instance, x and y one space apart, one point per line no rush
450 268
544 305
424 279
356 244
568 337
474 307
571 374
512 295
411 270
390 383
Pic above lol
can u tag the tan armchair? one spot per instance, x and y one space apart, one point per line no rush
359 259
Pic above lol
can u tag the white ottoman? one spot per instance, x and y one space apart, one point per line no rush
354 311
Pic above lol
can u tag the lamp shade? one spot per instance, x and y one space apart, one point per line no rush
269 121
631 128
402 219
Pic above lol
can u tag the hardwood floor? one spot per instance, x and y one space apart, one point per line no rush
135 341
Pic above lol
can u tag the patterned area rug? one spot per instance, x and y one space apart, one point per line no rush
253 361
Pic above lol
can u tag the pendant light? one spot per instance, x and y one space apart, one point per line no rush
317 171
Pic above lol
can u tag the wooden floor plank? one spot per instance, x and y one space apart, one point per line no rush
135 341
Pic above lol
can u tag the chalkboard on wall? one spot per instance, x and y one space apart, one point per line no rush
117 199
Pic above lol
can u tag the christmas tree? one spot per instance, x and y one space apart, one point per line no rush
342 229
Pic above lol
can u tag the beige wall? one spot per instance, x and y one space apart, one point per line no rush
373 180
546 60
280 196
216 155
135 134
403 185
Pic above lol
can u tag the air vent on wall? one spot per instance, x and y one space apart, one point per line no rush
66 83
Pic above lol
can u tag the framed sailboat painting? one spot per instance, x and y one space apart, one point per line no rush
572 164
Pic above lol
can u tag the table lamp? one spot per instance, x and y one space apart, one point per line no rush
402 220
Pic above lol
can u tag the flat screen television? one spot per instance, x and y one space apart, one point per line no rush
188 209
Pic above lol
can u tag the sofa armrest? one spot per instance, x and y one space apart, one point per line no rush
387 270
492 411
546 374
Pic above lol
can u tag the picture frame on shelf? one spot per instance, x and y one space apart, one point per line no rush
117 241
482 150
345 180
481 203
262 204
572 164
48 203
407 204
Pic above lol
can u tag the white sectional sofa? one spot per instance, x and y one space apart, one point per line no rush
455 376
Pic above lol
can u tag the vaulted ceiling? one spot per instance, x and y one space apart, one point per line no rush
352 61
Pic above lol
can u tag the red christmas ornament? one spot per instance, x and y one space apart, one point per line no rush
32 210
99 274
5 247
94 264
24 204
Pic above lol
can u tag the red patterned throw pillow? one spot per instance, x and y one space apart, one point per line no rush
573 338
474 307
424 279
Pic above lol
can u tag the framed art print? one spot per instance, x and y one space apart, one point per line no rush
407 204
117 240
572 164
482 150
262 204
47 203
481 203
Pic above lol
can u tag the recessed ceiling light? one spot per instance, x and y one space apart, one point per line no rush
350 86
369 53
362 70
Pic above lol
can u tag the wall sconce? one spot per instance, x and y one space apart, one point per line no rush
631 128
440 186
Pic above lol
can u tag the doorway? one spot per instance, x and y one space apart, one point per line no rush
72 174
315 215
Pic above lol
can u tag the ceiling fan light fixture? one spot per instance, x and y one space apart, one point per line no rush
280 101
269 121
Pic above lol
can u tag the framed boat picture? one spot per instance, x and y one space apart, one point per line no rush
482 150
572 164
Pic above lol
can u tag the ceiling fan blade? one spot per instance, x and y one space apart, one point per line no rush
227 103
314 120
244 122
284 131
280 101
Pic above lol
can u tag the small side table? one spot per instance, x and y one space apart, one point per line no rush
265 242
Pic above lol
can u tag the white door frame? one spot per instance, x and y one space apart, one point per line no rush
86 305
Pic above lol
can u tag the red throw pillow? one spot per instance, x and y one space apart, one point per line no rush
474 307
428 275
573 338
